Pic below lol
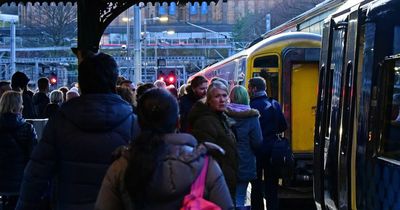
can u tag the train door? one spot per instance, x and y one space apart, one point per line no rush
299 98
328 135
348 109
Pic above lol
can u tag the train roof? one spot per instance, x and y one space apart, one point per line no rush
284 37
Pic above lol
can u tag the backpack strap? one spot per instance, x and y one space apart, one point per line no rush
198 185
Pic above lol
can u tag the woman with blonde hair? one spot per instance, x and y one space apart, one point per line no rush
17 138
210 123
56 99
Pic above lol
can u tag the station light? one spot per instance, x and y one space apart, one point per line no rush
53 78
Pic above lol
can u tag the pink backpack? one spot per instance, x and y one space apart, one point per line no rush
194 200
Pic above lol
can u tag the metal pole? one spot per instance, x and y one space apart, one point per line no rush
145 44
156 57
138 45
12 48
127 35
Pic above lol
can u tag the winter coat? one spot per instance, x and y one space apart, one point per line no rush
208 125
186 103
249 139
29 111
17 139
75 151
51 110
272 121
40 101
177 169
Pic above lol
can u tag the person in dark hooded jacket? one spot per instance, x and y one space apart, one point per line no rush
17 139
159 167
77 144
19 82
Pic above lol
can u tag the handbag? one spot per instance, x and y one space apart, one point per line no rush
194 200
282 159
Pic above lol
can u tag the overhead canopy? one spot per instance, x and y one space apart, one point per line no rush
95 15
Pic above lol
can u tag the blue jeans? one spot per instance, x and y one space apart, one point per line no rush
241 191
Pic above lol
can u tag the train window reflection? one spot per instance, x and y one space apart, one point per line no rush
270 61
392 143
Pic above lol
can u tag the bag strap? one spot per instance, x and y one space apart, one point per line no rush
198 185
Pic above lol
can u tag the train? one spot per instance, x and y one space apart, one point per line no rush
289 63
357 130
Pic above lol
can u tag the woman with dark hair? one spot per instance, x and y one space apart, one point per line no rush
159 167
195 91
17 139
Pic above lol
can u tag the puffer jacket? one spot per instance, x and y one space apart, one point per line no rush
75 151
177 169
249 138
211 126
17 139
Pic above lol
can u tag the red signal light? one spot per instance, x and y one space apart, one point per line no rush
171 79
161 78
53 81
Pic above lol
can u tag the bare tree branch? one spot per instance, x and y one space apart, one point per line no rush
57 23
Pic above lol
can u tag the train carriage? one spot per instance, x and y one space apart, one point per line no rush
357 136
289 63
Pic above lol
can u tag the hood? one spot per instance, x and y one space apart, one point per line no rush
11 121
178 167
239 111
96 112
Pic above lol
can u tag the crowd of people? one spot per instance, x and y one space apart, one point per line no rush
110 144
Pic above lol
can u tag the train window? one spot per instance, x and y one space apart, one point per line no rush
271 80
391 144
270 61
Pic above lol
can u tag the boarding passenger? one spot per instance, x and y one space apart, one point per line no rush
142 89
160 84
249 138
77 144
195 91
17 139
19 82
159 167
64 90
272 122
127 94
182 90
172 89
210 123
40 99
4 86
56 100
71 94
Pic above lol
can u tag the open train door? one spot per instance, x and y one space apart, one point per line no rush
299 99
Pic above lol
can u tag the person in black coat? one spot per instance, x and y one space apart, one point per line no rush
19 82
17 139
56 99
272 122
40 99
77 144
195 91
